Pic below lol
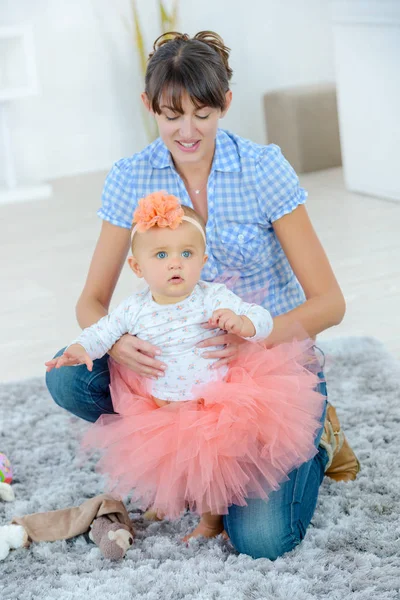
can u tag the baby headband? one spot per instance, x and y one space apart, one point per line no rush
163 210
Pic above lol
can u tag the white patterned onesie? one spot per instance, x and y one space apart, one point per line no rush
175 329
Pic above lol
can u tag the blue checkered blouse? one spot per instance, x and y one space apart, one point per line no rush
250 186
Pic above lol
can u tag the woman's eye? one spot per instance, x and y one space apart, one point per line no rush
161 254
186 254
171 118
202 117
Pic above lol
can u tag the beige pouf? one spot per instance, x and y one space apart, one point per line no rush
303 122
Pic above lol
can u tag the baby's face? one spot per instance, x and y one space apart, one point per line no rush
170 261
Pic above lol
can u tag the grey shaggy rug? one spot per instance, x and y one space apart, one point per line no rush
351 550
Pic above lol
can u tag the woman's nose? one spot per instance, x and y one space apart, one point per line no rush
187 127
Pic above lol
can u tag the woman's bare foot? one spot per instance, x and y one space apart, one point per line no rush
210 526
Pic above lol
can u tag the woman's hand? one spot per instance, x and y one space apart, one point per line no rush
138 356
231 343
74 355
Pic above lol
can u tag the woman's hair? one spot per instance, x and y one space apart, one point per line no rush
198 66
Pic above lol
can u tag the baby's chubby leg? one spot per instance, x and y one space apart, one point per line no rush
160 403
151 514
210 526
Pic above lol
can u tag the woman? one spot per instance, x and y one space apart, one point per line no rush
257 226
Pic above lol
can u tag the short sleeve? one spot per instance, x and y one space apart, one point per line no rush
279 188
118 195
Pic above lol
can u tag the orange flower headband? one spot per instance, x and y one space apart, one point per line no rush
163 210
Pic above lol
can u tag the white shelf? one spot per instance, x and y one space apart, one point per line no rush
18 80
18 76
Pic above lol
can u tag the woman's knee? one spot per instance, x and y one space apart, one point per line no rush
55 381
263 529
267 544
81 392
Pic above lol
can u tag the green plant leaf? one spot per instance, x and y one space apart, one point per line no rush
168 22
140 46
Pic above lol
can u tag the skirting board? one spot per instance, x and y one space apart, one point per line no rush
24 193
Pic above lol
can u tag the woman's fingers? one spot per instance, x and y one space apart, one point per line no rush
154 368
145 347
141 363
221 340
221 362
227 352
147 361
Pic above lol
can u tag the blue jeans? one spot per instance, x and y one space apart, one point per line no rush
263 529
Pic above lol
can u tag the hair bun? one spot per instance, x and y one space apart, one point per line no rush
216 42
212 39
170 36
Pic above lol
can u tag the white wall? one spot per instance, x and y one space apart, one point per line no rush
89 114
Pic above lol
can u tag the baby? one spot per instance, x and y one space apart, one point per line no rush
206 444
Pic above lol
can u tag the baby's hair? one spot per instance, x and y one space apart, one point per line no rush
189 212
198 66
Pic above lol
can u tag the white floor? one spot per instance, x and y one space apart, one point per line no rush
45 248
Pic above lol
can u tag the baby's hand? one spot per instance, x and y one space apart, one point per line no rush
226 319
74 355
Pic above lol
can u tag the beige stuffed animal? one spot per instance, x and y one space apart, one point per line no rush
113 539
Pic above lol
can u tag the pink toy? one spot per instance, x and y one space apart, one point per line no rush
6 473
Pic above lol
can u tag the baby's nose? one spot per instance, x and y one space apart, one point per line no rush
175 263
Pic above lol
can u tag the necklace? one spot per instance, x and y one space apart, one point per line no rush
197 191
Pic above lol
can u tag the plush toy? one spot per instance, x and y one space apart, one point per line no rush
104 517
113 539
6 474
12 537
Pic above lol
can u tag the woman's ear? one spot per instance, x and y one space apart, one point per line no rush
145 101
134 265
228 101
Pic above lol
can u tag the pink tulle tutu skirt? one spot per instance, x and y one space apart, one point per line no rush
238 439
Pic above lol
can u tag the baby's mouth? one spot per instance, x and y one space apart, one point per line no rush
175 279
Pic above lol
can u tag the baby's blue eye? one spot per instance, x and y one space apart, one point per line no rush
161 254
186 254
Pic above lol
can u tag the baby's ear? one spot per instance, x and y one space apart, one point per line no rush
134 265
205 259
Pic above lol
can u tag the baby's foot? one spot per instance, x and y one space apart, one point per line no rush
153 515
207 530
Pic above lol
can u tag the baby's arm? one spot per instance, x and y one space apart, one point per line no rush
239 317
95 341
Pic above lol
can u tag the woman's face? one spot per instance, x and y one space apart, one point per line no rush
190 137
